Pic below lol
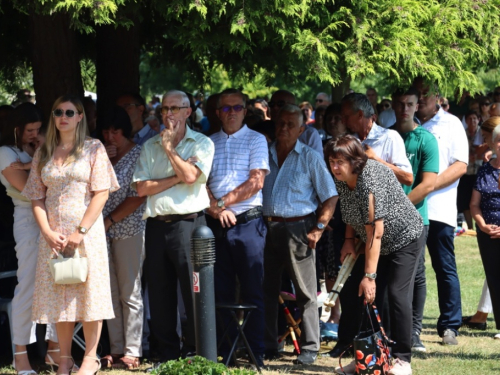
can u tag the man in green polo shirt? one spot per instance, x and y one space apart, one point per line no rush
423 154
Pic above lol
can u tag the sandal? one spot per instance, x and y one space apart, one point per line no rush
110 360
128 362
22 372
97 361
50 361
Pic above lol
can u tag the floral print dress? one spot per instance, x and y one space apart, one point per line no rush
67 191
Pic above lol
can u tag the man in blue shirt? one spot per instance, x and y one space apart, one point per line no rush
299 200
135 106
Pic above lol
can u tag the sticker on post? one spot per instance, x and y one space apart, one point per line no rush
196 282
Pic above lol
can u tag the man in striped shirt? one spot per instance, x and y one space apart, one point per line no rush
235 214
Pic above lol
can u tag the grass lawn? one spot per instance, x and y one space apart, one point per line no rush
476 353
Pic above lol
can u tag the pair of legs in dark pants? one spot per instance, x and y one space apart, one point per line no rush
241 253
396 273
420 288
490 255
168 262
287 248
442 252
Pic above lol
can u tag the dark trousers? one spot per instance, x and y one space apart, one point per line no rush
442 252
490 255
241 253
287 248
168 262
396 274
420 288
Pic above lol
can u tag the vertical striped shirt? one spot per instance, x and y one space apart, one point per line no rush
235 156
299 185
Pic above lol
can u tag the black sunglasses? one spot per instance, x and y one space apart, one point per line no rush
236 108
69 113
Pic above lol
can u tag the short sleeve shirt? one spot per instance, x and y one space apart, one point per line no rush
402 222
154 164
297 187
487 186
423 153
235 156
9 155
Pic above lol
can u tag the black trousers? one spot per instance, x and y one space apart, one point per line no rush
396 273
168 262
420 289
490 255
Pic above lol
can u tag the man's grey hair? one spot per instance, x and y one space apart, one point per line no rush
328 97
294 110
227 92
359 102
180 94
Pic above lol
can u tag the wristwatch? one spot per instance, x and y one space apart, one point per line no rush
372 276
220 203
320 226
82 230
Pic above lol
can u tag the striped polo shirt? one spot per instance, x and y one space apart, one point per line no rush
235 156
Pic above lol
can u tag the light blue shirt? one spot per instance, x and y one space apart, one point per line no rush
143 135
310 137
293 190
235 156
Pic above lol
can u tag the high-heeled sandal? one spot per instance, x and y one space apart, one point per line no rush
50 361
98 361
23 372
72 368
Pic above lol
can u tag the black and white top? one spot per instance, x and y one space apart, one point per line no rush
133 223
402 222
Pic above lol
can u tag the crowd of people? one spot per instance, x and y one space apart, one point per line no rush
288 191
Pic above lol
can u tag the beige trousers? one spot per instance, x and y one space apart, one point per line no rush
126 258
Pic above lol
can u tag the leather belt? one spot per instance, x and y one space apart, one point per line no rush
279 219
249 215
170 218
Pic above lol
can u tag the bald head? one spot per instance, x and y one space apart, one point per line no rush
179 94
279 99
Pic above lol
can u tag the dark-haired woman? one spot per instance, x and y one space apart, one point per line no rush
70 180
125 230
375 207
18 142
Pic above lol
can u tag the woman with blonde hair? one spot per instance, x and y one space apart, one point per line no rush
69 183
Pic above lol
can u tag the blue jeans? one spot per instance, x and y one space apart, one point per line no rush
442 252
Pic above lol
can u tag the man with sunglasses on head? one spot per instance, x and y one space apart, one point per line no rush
240 165
172 172
135 106
310 135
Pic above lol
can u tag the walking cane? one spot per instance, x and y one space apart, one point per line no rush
342 277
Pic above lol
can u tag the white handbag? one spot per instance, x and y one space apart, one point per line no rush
69 270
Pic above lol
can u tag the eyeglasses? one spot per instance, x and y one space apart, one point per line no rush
485 104
236 108
279 103
128 105
320 100
174 109
69 113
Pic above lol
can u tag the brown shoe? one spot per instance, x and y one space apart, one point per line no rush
127 362
110 360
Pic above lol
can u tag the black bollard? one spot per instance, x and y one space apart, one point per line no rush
203 260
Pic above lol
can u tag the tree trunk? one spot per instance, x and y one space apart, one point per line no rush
56 62
117 63
339 91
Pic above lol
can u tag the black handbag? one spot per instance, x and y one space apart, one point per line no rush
371 345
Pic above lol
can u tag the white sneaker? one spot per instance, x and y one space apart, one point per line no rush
400 368
497 336
349 369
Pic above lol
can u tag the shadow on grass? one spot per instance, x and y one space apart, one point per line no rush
299 369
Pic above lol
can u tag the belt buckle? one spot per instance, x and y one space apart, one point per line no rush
168 221
269 218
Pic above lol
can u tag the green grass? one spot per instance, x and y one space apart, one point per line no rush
477 353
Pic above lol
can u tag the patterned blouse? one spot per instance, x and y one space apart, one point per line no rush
133 223
402 222
487 185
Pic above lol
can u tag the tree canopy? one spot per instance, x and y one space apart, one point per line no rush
446 41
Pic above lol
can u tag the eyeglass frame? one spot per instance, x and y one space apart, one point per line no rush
172 109
65 113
